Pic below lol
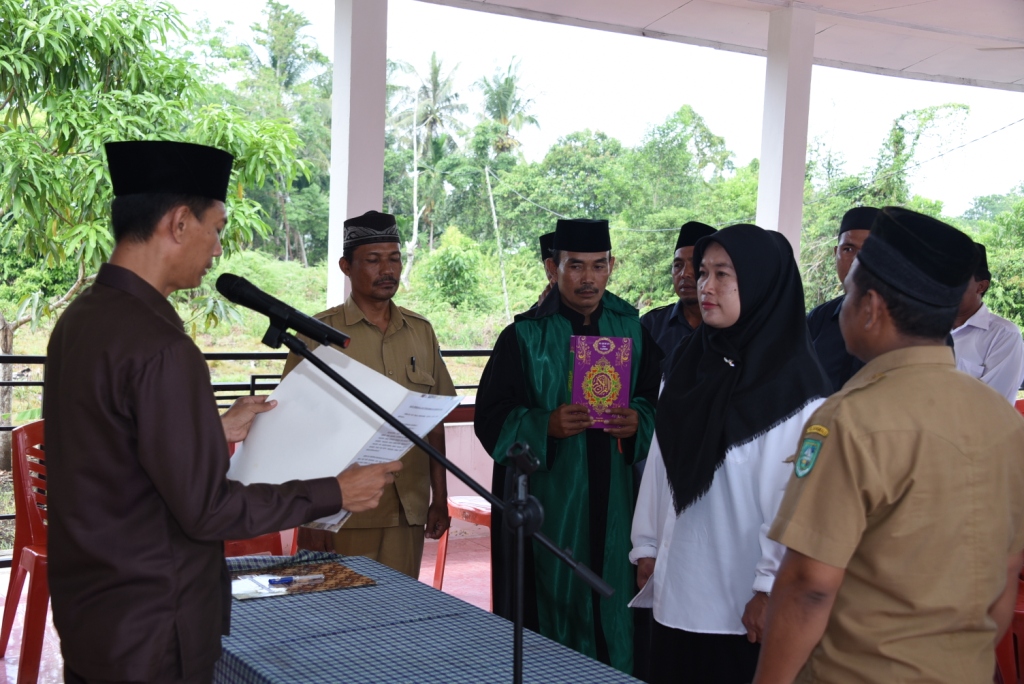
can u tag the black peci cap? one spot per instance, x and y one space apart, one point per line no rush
858 218
920 256
582 235
547 240
371 227
692 231
162 166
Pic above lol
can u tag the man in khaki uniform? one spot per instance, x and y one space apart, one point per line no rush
401 345
903 518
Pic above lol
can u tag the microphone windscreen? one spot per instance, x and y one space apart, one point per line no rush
228 285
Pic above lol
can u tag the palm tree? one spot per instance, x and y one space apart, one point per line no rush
504 104
438 103
435 109
431 109
396 95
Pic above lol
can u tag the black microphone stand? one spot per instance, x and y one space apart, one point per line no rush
523 512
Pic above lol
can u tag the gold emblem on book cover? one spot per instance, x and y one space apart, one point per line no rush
601 385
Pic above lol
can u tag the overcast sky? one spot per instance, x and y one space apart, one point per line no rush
622 85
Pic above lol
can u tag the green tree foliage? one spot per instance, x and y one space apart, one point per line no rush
454 268
889 184
674 164
287 79
988 207
75 74
1003 237
830 192
397 150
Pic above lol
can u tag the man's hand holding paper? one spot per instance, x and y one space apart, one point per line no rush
318 429
362 486
238 419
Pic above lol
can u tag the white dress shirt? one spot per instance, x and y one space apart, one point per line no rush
716 554
990 348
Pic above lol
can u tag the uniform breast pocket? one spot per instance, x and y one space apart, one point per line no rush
419 378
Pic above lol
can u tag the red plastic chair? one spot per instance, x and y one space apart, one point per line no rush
472 509
1010 651
266 544
29 549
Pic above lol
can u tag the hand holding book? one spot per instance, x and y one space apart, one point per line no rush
624 425
568 420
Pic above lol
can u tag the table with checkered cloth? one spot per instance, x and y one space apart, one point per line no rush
399 630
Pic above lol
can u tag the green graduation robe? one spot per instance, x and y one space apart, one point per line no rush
584 482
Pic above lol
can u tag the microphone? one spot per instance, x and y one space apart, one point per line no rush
240 291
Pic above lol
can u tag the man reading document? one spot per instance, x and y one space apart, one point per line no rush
136 453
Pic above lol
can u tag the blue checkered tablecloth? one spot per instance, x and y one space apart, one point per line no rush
399 630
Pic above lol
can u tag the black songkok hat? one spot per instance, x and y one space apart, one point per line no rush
162 166
582 235
691 232
982 272
858 218
547 240
371 227
920 256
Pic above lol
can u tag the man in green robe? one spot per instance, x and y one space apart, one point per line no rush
585 479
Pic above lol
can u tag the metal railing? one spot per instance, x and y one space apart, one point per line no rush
225 391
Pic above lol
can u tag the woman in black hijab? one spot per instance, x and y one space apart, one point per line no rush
731 412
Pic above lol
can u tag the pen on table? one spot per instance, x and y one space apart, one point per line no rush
297 579
412 359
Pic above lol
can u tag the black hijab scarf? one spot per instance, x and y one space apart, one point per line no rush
728 386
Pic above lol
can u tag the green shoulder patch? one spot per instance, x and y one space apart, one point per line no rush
808 455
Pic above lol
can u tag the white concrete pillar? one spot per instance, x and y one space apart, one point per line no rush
787 95
357 123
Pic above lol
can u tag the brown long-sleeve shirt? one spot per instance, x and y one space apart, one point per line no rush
138 499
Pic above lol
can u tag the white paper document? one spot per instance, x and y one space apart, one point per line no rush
255 586
645 597
318 429
420 413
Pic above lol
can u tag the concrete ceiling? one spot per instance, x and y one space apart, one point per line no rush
969 42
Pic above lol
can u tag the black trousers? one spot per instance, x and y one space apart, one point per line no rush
680 657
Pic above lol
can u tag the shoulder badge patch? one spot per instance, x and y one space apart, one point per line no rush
808 455
818 430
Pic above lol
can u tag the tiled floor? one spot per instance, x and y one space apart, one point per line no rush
467 576
467 573
51 666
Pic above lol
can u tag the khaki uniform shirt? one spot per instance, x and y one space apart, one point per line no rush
910 478
409 336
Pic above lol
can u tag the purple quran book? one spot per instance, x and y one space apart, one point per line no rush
601 374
